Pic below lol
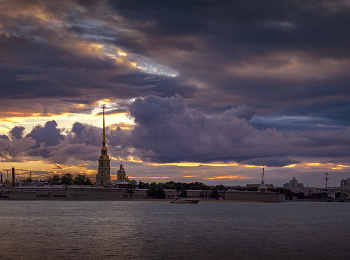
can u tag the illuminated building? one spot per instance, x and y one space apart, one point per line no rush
121 175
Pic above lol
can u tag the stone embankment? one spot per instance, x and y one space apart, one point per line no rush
59 192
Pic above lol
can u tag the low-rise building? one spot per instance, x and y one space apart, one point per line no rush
292 183
345 183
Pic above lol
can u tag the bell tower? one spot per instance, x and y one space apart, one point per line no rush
103 176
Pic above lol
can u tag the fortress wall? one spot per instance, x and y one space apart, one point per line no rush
252 196
3 188
95 194
22 195
5 194
282 198
170 194
139 194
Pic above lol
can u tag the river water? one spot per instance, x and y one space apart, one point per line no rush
162 230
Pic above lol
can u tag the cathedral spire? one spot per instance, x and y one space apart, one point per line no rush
103 176
104 131
104 147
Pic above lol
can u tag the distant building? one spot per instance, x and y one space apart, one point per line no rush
293 183
121 175
345 183
122 179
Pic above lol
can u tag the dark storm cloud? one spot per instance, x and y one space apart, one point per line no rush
13 150
217 44
62 152
167 130
233 61
59 61
114 111
271 161
86 134
230 35
49 135
236 28
17 132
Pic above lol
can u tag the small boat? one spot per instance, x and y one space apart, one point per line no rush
184 200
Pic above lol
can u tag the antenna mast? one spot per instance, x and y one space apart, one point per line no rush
263 174
326 179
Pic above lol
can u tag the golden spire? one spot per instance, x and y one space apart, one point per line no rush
104 131
104 147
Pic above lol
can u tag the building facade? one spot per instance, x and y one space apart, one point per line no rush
121 175
345 183
293 183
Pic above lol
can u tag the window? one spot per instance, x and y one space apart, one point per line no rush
107 164
101 163
101 173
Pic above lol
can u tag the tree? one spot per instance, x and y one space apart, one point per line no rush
67 179
183 193
151 192
339 195
178 187
82 180
143 185
55 180
130 189
160 193
169 185
215 193
156 190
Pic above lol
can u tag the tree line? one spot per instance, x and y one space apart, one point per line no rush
157 190
67 179
299 195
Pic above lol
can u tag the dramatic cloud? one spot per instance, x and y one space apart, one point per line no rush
255 82
49 135
17 132
12 151
289 57
167 130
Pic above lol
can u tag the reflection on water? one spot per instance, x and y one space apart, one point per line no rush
161 230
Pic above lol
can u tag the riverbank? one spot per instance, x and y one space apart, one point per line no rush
101 193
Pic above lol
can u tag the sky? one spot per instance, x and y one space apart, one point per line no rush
208 91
